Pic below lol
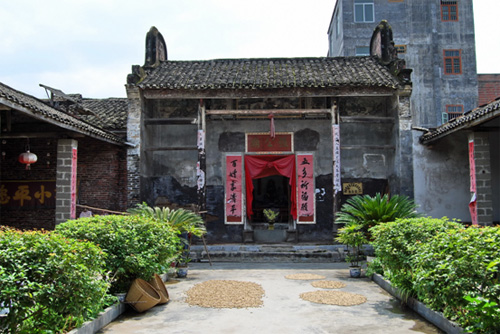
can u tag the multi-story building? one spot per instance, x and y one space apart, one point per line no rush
436 40
434 37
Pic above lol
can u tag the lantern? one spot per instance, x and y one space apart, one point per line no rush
27 158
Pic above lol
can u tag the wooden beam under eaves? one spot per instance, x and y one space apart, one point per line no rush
53 134
170 121
267 112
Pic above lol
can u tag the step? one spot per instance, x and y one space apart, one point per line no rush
268 253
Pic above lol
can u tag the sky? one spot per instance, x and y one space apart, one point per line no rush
89 46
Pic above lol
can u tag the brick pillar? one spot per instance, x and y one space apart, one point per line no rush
134 136
66 180
404 151
482 176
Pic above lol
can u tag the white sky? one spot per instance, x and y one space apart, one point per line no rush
89 46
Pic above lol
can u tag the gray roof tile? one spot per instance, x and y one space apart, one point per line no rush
22 101
269 73
483 113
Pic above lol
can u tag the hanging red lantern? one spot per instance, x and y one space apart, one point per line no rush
27 158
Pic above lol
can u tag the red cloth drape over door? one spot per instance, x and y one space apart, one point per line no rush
257 167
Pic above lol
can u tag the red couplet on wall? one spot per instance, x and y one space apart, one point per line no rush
73 183
305 187
234 189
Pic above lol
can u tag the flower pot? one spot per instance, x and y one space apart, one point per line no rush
355 271
182 272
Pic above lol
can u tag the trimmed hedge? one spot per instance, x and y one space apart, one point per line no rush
137 247
49 284
450 268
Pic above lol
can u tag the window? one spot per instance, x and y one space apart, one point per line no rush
452 111
449 11
362 50
452 62
400 49
363 11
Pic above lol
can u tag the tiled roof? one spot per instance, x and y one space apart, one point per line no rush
270 73
470 118
111 113
22 101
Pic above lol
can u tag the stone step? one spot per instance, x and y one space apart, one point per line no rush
268 253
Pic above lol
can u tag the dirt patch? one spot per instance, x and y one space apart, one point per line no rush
226 294
328 284
305 276
333 298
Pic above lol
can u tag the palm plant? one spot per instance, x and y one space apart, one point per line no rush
369 211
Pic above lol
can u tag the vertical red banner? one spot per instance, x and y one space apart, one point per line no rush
337 186
73 183
234 200
472 171
305 187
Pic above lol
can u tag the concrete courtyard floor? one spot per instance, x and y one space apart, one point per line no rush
283 310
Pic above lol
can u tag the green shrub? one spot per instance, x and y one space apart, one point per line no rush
137 246
457 264
397 243
352 236
49 283
452 269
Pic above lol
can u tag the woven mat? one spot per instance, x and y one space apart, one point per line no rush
340 298
226 294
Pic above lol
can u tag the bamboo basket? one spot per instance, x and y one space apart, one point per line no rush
158 284
142 296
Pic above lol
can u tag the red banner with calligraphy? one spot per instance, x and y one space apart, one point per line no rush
28 194
234 200
305 187
73 183
263 142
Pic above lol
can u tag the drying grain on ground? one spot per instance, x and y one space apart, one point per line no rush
339 298
226 294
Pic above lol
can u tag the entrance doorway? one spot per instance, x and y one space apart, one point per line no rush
271 192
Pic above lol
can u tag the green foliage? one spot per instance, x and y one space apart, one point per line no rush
459 263
271 215
137 246
370 211
452 269
49 283
397 243
181 220
353 236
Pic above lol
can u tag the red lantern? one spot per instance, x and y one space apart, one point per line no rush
27 158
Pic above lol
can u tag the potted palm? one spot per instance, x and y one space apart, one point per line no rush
271 216
353 237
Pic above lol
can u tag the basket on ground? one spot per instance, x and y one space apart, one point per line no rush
142 296
158 284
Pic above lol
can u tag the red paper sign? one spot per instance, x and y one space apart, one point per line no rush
234 200
282 142
73 184
305 187
472 167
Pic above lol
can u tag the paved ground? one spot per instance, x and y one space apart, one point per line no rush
283 310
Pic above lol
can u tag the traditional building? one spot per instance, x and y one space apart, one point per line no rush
235 137
80 157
